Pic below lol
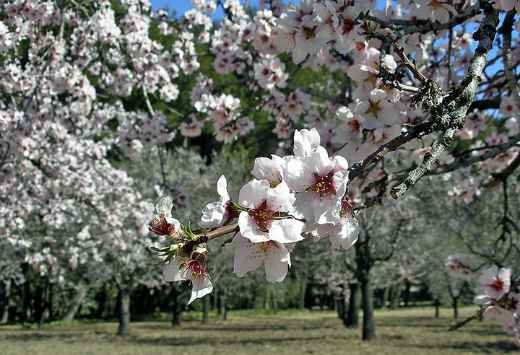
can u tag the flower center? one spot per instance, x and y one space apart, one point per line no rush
265 246
497 284
160 226
348 26
324 185
373 108
263 216
309 32
197 269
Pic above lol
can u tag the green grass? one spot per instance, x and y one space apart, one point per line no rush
409 331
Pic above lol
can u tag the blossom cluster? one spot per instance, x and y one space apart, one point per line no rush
289 197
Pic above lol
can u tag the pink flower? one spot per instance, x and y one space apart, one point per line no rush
495 282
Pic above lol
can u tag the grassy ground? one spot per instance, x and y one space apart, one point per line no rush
409 331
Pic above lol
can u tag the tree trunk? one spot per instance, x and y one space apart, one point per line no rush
5 306
455 305
384 297
369 325
123 299
223 306
205 309
176 307
81 292
38 304
351 319
407 292
303 291
396 296
437 304
51 300
340 304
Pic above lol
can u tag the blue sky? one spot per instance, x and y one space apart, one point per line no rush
180 6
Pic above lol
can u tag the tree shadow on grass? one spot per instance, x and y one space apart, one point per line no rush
491 347
408 324
67 337
194 341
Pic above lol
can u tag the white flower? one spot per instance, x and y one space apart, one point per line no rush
305 142
262 222
269 169
321 183
250 256
220 212
495 282
194 270
343 234
163 223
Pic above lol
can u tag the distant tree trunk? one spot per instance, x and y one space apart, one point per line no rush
223 306
384 296
38 304
367 301
79 296
395 296
351 319
123 299
176 307
407 292
436 304
26 301
5 306
101 300
455 305
51 300
205 309
303 291
340 303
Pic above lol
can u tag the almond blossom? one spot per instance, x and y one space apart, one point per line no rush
495 282
163 223
262 222
193 269
250 256
221 212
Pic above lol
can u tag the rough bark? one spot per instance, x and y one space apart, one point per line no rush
123 298
77 300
